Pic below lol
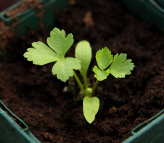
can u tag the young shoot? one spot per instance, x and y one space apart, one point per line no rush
59 44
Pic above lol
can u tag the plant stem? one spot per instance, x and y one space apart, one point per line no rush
95 85
85 81
79 83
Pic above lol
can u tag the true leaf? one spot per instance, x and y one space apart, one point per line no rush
59 42
90 108
64 68
100 75
41 54
83 52
121 66
104 58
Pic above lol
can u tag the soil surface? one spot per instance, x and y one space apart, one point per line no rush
24 6
36 96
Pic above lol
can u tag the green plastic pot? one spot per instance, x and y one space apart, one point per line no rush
28 19
148 10
151 131
13 129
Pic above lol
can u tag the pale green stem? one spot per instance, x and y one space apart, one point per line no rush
94 87
79 83
85 81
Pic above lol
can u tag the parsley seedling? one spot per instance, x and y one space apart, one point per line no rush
59 44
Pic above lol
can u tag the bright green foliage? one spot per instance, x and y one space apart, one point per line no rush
64 68
83 52
121 66
59 45
104 58
90 108
99 74
59 42
41 54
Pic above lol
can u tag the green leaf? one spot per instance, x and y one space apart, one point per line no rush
104 58
59 42
100 75
121 66
90 108
83 52
41 54
64 68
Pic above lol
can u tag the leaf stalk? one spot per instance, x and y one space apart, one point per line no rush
85 81
94 87
80 85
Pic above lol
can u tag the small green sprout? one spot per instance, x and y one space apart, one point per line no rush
59 44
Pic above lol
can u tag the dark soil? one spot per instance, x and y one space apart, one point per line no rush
24 6
36 96
7 33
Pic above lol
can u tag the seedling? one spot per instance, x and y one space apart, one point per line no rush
59 44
